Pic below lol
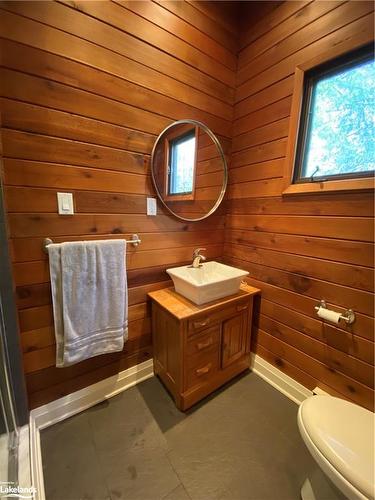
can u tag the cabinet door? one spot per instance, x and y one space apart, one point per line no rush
234 339
166 347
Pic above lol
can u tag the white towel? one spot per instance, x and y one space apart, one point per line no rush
90 299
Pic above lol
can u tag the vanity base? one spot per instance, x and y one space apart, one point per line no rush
196 348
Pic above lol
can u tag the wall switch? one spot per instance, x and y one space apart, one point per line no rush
65 203
151 206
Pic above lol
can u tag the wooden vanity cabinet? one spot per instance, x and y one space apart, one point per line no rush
199 348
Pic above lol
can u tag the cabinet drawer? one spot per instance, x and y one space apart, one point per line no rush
211 318
204 341
202 366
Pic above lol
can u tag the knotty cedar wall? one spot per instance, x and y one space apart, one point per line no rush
303 249
87 87
87 90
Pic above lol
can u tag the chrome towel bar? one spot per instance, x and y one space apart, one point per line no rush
135 241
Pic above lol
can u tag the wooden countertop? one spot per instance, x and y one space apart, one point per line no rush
182 308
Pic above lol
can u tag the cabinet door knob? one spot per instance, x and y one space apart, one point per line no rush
199 324
241 308
203 345
204 370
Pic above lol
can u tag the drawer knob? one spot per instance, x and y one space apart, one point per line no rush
241 308
204 370
203 345
199 324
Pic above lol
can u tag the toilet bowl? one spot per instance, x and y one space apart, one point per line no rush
340 437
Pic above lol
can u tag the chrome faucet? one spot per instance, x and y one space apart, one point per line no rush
197 257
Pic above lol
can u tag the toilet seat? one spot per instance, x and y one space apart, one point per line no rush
340 436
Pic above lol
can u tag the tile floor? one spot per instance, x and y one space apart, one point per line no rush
240 443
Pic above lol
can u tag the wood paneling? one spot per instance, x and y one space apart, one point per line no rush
357 30
303 249
106 45
86 88
215 25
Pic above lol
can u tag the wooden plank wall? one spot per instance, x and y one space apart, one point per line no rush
86 88
302 249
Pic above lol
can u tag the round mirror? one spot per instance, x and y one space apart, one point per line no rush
189 170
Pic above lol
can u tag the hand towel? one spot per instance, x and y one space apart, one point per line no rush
90 302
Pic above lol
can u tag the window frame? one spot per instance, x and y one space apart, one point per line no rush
301 102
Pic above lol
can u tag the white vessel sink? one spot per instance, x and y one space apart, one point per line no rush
210 281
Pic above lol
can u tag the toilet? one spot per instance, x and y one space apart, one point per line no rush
340 437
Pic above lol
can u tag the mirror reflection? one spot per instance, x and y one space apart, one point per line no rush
189 170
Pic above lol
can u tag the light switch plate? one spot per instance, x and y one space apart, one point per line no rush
151 206
65 203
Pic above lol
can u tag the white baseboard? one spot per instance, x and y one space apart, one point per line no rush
69 405
36 460
24 470
283 383
74 403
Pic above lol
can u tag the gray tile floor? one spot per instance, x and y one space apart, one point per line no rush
240 443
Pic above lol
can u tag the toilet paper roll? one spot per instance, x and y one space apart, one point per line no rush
329 315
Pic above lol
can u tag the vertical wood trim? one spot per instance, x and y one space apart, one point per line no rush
294 123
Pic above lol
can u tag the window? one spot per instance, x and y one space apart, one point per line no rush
331 138
181 164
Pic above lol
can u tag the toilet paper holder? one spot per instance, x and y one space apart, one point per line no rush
348 316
